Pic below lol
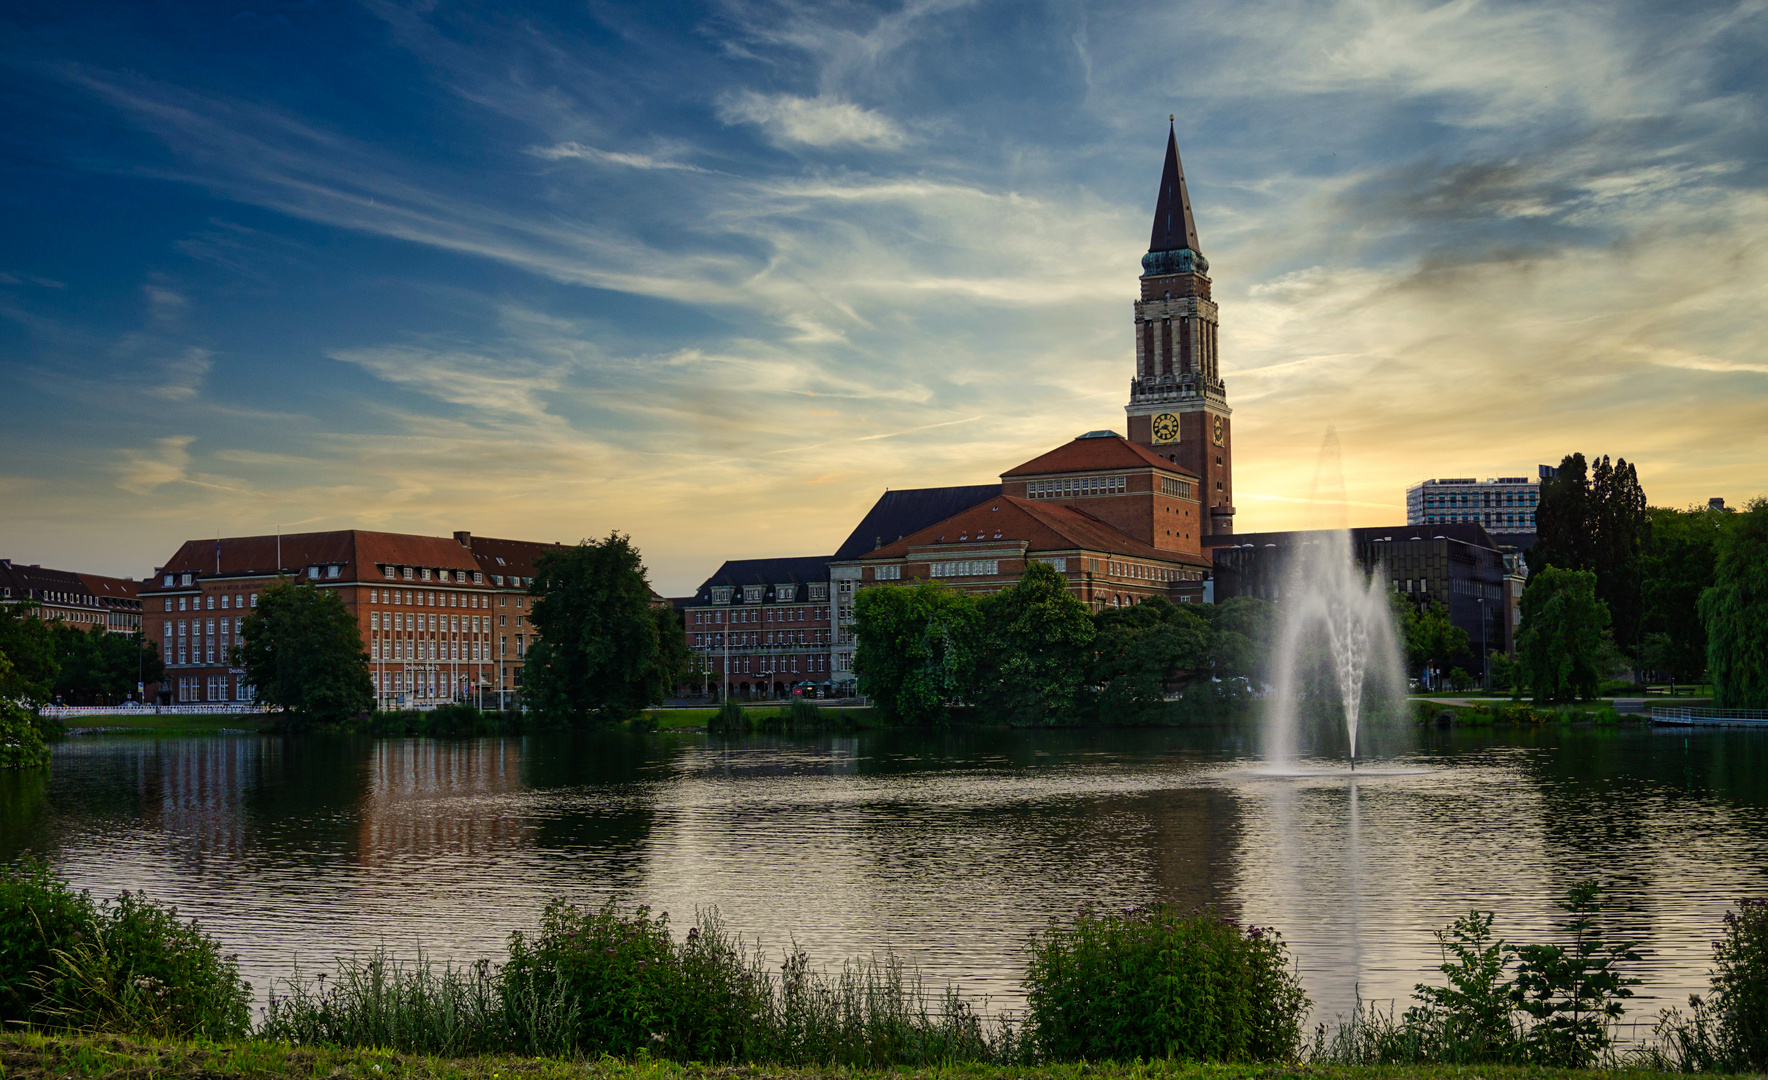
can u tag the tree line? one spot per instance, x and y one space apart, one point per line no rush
1616 584
45 662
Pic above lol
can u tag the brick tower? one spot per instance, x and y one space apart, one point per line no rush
1178 406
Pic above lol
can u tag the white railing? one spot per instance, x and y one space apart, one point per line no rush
1699 715
218 709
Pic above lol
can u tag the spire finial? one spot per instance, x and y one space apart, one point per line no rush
1170 118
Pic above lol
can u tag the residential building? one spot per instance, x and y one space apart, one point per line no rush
442 618
81 600
1504 506
762 627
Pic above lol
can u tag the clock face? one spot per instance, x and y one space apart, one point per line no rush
1218 429
1166 428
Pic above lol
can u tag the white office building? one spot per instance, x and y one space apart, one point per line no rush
1504 505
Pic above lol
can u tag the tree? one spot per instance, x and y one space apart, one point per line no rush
1594 518
916 648
1426 633
1035 643
1139 652
603 653
302 651
1735 612
1243 629
99 667
1561 635
1676 566
27 644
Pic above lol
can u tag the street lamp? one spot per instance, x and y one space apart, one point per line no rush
1485 661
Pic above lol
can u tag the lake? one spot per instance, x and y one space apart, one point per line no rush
947 848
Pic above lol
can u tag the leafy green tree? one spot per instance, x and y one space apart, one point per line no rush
915 649
603 654
1139 652
99 667
302 651
1036 640
28 645
1561 635
1735 611
1243 631
1676 567
1426 634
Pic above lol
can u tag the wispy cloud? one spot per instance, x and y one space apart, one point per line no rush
819 122
573 150
144 471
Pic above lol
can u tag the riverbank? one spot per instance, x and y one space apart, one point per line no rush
32 1056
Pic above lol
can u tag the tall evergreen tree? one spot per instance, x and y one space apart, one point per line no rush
603 653
1735 610
1594 518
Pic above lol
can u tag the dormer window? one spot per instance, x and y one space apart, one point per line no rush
312 573
405 572
333 571
388 572
721 594
784 594
478 577
424 574
497 579
819 591
184 579
753 594
166 582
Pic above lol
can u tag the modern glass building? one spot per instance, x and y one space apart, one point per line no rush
1504 506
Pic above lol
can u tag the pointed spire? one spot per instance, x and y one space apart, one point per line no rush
1174 228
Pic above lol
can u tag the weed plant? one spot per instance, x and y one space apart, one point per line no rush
1553 1005
127 965
1728 1028
1156 982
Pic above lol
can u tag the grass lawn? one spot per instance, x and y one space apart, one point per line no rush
169 724
678 719
30 1056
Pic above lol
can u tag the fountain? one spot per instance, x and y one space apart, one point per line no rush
1335 622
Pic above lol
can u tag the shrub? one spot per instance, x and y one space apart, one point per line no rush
38 913
127 966
732 718
1158 982
634 989
1729 1027
22 745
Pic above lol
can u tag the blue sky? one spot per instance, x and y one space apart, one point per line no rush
716 275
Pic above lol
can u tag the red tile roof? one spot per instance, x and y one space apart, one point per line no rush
1043 526
1092 454
110 588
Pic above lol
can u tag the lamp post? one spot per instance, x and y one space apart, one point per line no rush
1484 658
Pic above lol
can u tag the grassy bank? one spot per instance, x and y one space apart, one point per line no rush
169 724
32 1056
858 716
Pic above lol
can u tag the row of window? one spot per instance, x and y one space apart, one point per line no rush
193 689
815 593
750 615
423 598
1075 486
425 573
425 683
773 665
752 640
201 627
438 624
964 568
444 650
1140 572
196 602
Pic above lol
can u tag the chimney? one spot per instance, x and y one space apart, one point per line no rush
1716 503
465 539
877 542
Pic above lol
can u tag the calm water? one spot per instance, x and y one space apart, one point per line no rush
946 849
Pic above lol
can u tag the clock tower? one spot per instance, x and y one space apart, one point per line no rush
1178 406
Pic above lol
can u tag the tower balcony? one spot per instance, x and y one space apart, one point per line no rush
1177 389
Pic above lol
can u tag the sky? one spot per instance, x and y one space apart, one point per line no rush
717 275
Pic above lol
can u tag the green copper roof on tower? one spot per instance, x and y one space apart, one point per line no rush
1174 227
